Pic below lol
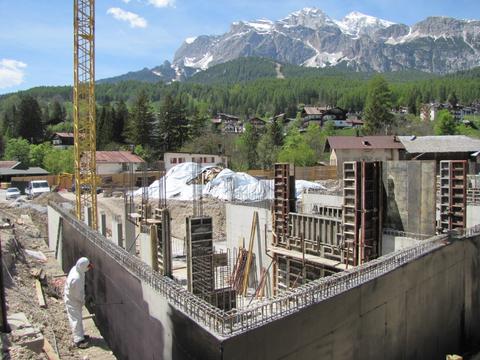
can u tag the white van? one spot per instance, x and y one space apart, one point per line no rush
37 187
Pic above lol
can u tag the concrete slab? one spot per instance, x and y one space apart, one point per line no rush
24 333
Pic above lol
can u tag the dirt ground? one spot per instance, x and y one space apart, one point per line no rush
30 233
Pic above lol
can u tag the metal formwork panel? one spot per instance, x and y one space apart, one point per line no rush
371 226
351 201
200 268
453 194
362 204
282 203
164 242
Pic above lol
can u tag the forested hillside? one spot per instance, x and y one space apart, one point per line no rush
157 117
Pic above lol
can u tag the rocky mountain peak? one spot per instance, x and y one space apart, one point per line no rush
357 23
312 18
309 37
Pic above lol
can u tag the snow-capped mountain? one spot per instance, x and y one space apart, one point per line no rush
310 37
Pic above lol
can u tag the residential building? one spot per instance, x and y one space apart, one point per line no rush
9 169
62 140
228 124
369 148
445 147
172 159
115 162
256 122
320 115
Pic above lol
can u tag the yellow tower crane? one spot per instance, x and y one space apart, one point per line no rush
84 128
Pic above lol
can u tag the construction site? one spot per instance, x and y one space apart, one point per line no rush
204 263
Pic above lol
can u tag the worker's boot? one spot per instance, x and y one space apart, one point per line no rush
82 344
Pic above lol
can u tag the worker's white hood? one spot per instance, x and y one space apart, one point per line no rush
82 265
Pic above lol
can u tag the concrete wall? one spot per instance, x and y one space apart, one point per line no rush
423 310
308 200
473 215
238 223
339 156
410 196
391 243
136 321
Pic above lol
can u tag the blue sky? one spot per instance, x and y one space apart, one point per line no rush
36 36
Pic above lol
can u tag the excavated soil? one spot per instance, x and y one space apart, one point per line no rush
30 233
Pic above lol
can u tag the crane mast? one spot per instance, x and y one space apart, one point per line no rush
84 127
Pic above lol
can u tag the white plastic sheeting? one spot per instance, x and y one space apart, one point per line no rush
227 185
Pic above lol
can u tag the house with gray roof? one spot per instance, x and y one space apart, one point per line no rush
444 147
9 169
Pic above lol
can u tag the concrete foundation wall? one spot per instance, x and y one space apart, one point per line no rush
309 200
473 215
421 310
136 321
424 309
391 243
410 196
238 226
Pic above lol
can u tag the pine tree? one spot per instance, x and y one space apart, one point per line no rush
58 114
30 126
104 127
120 118
247 146
445 123
377 115
452 99
172 126
198 123
140 124
275 131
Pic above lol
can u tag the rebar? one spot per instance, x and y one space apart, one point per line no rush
235 321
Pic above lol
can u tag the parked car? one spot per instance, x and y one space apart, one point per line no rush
37 187
12 193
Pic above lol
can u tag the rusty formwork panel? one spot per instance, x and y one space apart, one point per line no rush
453 194
284 202
200 269
362 211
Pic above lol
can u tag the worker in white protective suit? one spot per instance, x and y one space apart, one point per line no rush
74 297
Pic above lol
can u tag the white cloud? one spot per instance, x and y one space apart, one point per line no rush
133 19
162 3
11 73
126 1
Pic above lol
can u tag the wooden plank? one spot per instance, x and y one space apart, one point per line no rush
49 351
40 296
250 253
